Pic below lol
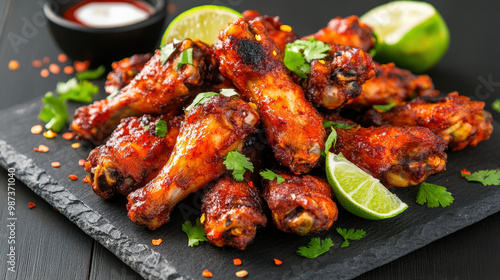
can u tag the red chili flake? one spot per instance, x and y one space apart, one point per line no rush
207 274
14 65
157 242
44 73
41 149
464 172
86 180
46 59
54 68
81 162
56 164
73 177
69 70
237 262
37 63
250 184
277 262
297 173
62 58
31 205
37 129
68 135
81 66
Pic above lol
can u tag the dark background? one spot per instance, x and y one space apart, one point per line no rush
51 247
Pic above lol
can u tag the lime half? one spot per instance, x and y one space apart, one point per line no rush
358 192
411 34
202 22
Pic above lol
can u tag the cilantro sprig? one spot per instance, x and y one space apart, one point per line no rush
350 234
196 233
328 124
433 195
330 142
91 74
206 96
315 248
77 91
167 50
239 163
384 108
270 175
485 177
186 58
161 128
299 54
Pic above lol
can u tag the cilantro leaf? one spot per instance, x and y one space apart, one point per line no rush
196 234
166 51
296 62
200 99
315 248
239 163
496 105
91 74
330 142
351 234
328 124
485 177
53 112
270 175
299 54
186 58
161 128
433 195
73 90
384 108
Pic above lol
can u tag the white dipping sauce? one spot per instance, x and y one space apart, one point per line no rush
109 14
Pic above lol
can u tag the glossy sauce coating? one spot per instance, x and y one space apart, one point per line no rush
124 71
273 27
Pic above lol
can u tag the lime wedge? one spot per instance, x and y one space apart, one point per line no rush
411 34
358 192
202 22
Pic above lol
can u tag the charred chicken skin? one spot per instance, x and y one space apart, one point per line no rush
132 156
455 118
159 89
253 62
338 78
300 204
347 31
397 156
279 33
392 85
124 71
233 211
209 132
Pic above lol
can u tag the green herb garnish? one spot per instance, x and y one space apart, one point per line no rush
161 128
315 248
485 177
186 58
196 234
299 54
384 108
239 163
350 234
53 112
91 74
270 175
433 195
328 124
77 91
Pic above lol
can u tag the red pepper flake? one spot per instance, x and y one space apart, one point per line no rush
56 164
44 73
86 180
250 184
207 274
75 145
31 205
14 65
62 58
277 262
81 66
69 70
73 177
49 134
37 63
68 135
81 162
297 173
37 129
157 242
237 262
41 149
464 172
54 68
46 59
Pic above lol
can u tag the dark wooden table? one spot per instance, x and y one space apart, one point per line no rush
51 247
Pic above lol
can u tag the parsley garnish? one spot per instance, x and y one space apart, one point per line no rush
77 91
496 105
53 112
166 51
161 128
350 234
330 142
384 108
299 54
206 96
186 58
328 124
315 248
485 177
239 163
270 175
91 74
196 233
146 127
433 195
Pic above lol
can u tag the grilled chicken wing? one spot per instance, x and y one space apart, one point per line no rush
233 211
457 119
338 78
392 85
210 131
158 89
251 60
300 204
132 156
279 33
347 31
397 156
124 71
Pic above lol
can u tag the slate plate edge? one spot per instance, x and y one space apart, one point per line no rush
148 263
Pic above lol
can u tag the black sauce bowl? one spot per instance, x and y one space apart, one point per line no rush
104 45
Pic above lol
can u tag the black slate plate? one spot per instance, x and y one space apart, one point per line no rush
106 221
